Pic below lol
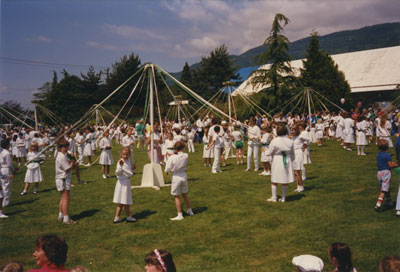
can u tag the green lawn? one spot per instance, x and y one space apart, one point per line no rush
234 228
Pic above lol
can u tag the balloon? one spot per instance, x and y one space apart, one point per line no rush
342 100
359 104
397 170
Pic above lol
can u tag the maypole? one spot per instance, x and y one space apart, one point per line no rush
36 121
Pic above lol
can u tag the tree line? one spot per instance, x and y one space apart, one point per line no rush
70 96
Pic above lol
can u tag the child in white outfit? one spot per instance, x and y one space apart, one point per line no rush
122 192
176 165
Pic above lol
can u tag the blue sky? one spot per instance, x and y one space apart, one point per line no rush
167 33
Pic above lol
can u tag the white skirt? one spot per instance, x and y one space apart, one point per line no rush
33 175
87 151
106 157
319 134
208 153
123 192
361 139
306 157
298 159
264 156
280 173
348 137
21 152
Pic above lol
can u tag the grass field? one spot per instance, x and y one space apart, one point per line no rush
234 228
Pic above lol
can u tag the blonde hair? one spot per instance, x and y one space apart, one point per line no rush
123 150
34 147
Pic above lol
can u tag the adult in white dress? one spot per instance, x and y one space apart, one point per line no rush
361 133
281 149
348 131
253 144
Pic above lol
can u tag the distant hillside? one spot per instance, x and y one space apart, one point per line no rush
370 37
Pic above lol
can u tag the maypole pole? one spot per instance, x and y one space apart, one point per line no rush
152 172
36 121
309 106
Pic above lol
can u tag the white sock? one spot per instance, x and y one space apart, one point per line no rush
116 218
274 188
358 149
303 173
284 191
66 218
60 215
189 210
362 149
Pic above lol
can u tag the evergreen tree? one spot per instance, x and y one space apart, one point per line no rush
322 74
278 77
186 77
213 71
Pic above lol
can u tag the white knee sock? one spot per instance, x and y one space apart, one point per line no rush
274 188
284 191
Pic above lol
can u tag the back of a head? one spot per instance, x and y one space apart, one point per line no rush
162 259
12 267
389 264
342 253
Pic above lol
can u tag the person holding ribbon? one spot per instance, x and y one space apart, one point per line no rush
159 261
281 149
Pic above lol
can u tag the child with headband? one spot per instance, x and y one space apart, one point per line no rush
159 261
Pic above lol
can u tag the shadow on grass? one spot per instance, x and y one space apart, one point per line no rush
198 210
310 178
24 202
144 214
192 179
308 188
294 197
47 190
15 212
84 214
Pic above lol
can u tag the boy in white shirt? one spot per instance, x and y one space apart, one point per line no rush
63 180
176 165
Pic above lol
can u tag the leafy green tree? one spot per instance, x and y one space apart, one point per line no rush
322 74
186 77
213 71
277 78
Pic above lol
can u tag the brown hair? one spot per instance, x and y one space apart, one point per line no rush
166 257
34 147
12 267
125 149
383 145
281 130
62 143
179 146
389 264
54 247
341 252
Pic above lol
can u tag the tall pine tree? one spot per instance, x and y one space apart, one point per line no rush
322 74
278 77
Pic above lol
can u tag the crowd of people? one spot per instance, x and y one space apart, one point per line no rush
51 255
283 141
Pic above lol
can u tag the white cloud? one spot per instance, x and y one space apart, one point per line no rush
133 32
40 38
107 47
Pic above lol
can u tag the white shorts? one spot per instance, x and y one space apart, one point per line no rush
63 184
179 186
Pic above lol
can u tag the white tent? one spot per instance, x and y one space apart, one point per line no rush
366 71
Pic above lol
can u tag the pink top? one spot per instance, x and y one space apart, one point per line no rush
50 268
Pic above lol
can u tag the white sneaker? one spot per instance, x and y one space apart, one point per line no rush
177 218
263 173
297 190
398 213
358 154
268 174
282 199
2 215
255 170
104 176
247 169
130 219
271 199
301 189
214 172
348 149
363 154
190 212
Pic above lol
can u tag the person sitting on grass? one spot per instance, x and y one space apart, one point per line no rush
176 165
159 261
384 162
50 254
340 257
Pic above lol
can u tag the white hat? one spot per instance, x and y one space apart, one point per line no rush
308 263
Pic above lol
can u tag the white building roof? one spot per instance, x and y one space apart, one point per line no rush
365 71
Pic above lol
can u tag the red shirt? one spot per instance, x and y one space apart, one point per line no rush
50 268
